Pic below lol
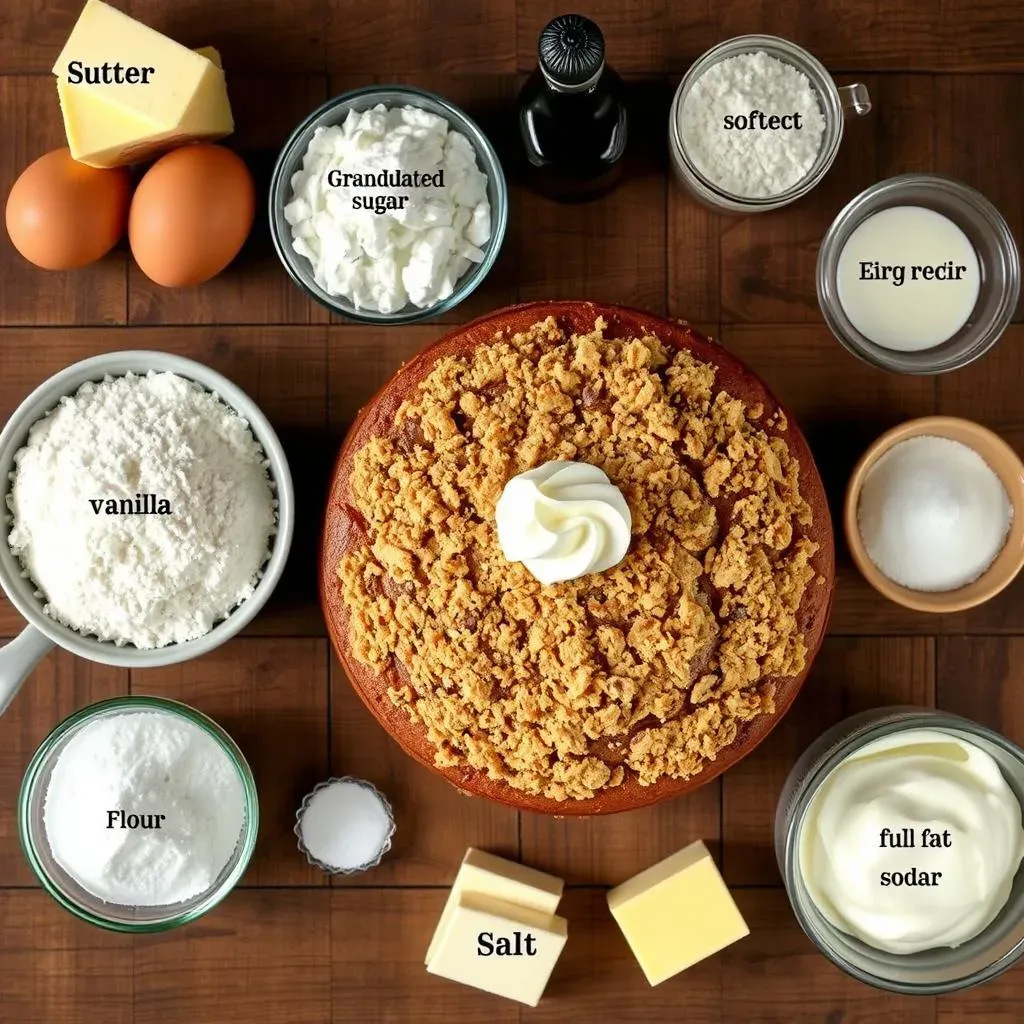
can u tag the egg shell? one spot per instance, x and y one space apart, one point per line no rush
63 214
192 212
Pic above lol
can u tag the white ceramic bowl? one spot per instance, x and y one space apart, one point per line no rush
22 654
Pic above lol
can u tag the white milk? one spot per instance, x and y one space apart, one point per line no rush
908 278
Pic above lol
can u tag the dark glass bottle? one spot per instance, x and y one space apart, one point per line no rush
572 115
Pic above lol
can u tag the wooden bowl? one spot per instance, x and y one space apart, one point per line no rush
1001 459
341 530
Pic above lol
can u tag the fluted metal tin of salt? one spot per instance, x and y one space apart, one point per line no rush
380 850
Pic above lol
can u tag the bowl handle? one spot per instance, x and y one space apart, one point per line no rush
18 659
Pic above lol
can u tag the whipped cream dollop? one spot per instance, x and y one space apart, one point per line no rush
944 796
563 520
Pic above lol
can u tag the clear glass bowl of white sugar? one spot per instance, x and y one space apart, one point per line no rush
63 886
334 112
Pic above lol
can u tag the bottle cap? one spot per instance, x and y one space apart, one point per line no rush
571 51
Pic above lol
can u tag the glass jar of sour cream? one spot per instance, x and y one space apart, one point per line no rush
899 836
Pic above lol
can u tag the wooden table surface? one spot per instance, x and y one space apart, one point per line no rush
947 81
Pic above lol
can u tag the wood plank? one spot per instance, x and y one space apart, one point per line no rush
59 686
995 1002
694 257
255 288
435 822
841 405
993 665
56 968
609 849
32 33
378 941
776 976
598 979
271 696
360 360
988 163
404 36
259 956
251 37
28 295
281 368
869 35
851 674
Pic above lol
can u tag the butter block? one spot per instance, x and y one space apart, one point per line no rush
676 913
499 947
108 124
487 875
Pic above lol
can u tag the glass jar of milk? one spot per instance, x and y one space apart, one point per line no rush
918 274
899 836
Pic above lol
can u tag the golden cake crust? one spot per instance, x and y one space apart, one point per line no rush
416 460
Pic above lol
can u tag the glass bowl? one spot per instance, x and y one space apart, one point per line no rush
63 888
834 102
932 971
992 240
334 112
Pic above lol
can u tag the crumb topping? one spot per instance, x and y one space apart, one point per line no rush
648 668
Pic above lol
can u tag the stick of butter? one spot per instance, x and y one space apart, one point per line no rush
487 875
128 93
676 913
499 947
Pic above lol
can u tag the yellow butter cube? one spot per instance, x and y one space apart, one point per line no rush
499 947
676 913
487 875
164 94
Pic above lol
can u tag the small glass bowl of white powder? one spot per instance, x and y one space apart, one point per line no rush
138 814
388 205
756 123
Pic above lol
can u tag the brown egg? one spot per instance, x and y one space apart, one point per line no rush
62 214
191 213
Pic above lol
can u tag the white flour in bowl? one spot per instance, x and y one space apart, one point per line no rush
142 510
143 809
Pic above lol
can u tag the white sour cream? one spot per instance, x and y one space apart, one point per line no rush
948 797
563 520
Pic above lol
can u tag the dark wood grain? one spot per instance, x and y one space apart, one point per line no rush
266 956
290 945
56 968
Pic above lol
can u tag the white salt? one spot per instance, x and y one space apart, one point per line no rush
145 763
932 514
346 825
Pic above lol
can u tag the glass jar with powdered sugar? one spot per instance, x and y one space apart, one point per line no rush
736 157
138 814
